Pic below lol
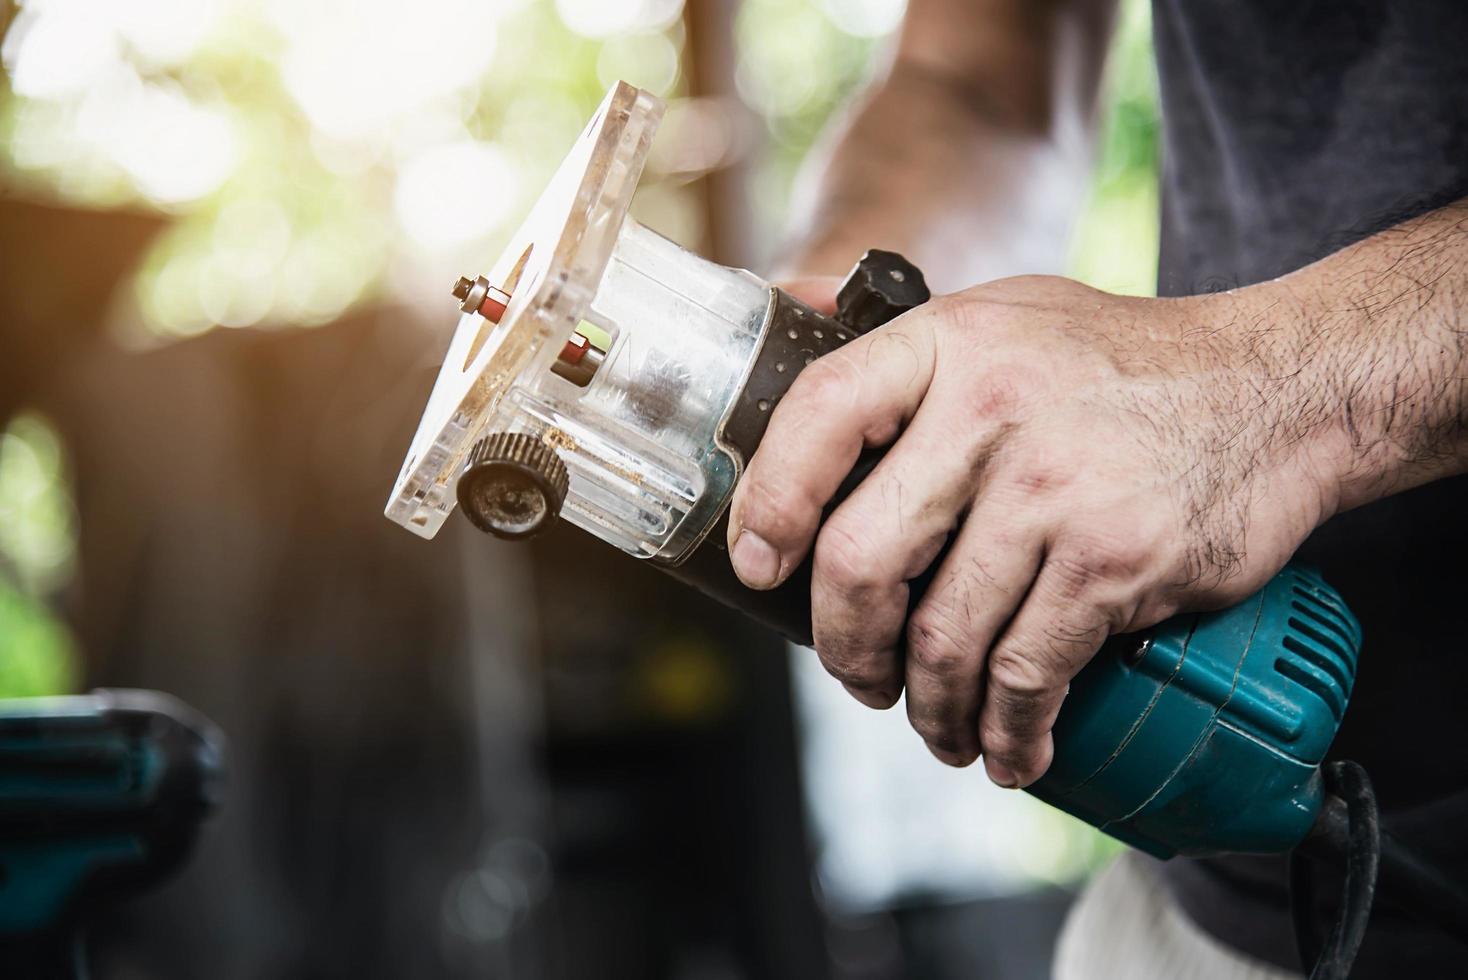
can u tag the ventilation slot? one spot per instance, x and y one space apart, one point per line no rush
1337 628
1339 674
1328 610
1326 644
1313 684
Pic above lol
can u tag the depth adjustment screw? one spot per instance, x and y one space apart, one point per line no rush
513 485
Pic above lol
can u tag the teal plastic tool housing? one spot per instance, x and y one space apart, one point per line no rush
1231 714
101 796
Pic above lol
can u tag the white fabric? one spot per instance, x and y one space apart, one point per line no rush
1125 926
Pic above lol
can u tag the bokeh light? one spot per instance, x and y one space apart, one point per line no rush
36 524
648 61
865 18
355 66
608 18
175 149
454 193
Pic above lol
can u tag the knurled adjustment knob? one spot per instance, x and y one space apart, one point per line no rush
881 287
513 485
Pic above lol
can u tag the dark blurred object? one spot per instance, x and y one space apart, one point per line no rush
1011 938
676 806
101 797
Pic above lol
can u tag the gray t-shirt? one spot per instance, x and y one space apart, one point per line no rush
1292 130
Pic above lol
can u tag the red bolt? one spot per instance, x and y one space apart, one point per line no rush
493 307
575 349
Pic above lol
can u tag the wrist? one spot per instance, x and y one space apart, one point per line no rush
1274 399
1358 396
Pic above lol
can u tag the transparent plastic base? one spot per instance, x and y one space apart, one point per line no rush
639 439
552 268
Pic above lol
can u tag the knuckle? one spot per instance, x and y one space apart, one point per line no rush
1037 480
843 559
998 395
829 382
1072 574
981 308
1089 561
1043 473
935 644
772 509
1020 676
1068 642
1151 610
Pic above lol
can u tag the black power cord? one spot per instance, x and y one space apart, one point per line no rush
1354 828
1349 830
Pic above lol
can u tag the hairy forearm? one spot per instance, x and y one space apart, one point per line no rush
970 156
1369 348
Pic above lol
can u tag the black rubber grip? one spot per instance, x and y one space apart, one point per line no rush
797 335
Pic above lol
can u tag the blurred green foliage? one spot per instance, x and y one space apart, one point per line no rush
37 552
797 65
1116 239
36 653
315 154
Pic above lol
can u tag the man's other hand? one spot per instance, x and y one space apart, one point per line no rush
1097 462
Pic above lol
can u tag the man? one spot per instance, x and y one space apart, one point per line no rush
1103 462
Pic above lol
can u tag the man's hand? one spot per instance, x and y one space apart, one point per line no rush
1097 462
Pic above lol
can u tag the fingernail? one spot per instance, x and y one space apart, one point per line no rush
755 562
880 700
1000 774
948 758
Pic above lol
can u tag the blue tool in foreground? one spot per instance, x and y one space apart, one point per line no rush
101 798
603 374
